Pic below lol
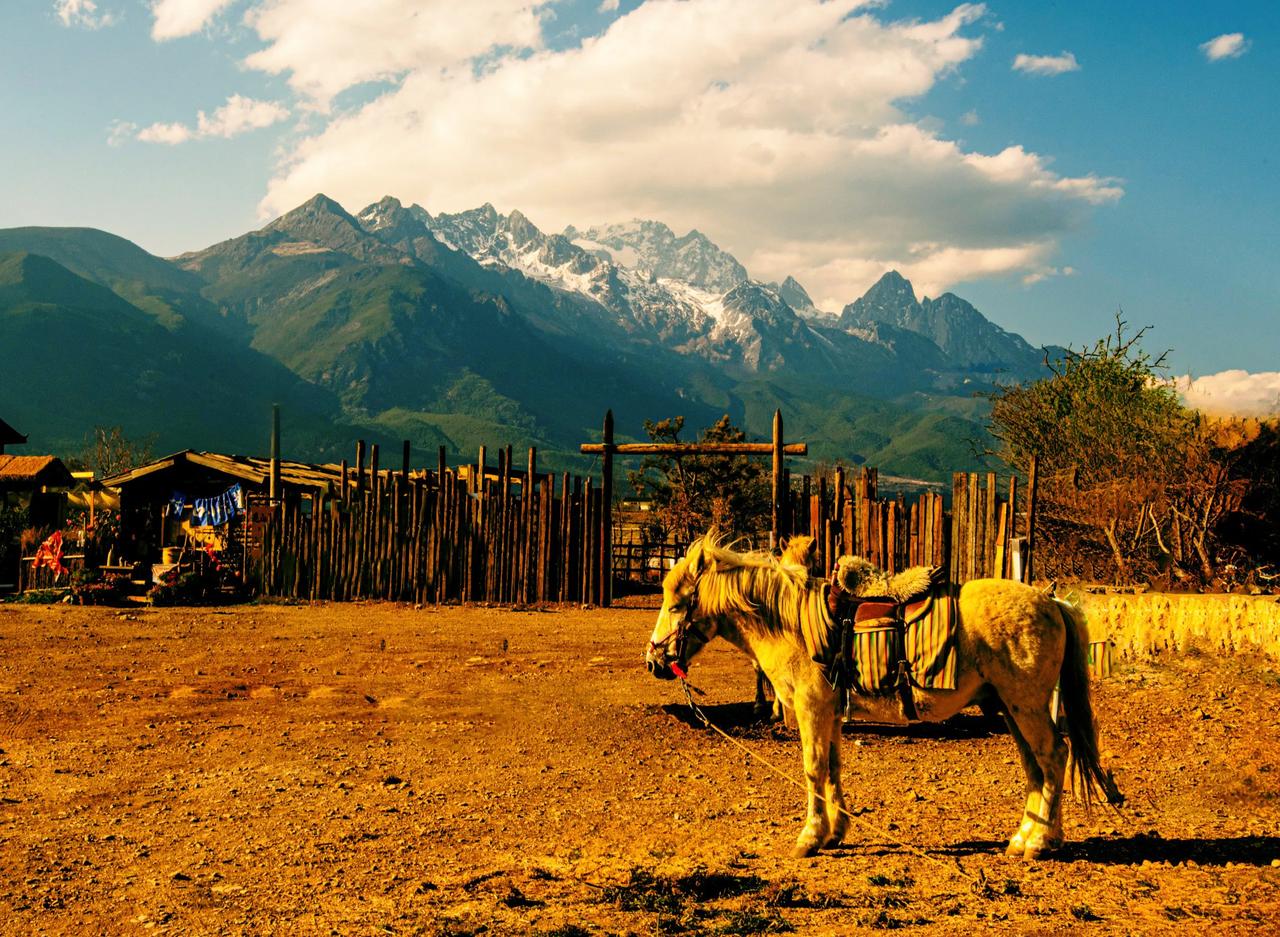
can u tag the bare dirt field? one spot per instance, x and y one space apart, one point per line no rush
368 769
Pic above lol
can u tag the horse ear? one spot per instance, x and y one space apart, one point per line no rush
696 558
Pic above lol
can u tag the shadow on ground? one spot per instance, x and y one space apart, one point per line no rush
740 719
1145 847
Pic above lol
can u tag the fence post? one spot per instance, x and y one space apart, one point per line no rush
606 513
1032 486
775 532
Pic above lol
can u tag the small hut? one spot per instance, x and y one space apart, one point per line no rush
32 497
32 481
201 500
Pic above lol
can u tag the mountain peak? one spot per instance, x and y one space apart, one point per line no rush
893 285
965 335
795 295
318 210
385 213
693 258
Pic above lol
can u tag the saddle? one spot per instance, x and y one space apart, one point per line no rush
887 644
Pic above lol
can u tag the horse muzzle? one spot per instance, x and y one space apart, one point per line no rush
661 670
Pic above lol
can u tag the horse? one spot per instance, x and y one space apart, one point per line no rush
1012 640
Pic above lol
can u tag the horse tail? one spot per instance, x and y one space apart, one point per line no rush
1089 775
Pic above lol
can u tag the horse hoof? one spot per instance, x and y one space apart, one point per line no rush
1038 848
805 849
1016 847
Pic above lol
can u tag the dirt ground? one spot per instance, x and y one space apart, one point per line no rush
369 769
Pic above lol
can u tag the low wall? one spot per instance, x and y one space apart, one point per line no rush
1140 624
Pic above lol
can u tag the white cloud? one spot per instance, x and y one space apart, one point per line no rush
239 115
1226 46
783 140
171 134
326 46
177 18
607 6
970 119
83 13
120 132
1046 64
1233 393
1045 273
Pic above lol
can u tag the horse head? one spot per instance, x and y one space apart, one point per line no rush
682 630
802 550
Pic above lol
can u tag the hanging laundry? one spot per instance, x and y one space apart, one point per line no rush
176 505
218 510
50 555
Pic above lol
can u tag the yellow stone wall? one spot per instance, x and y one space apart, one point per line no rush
1140 624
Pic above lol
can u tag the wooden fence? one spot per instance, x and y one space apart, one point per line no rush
432 537
519 536
971 541
845 514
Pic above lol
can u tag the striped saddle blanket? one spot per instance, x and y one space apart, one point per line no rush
879 635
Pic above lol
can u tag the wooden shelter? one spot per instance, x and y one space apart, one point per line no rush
35 482
33 473
148 523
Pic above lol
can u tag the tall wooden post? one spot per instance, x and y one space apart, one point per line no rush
606 512
274 484
360 466
1032 486
779 491
404 466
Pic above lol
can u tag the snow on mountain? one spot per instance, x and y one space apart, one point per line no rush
641 284
652 247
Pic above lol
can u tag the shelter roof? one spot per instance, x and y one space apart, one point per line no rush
252 469
10 436
34 470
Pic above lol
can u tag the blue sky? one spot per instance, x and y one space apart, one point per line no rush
1130 171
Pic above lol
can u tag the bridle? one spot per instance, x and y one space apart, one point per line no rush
675 643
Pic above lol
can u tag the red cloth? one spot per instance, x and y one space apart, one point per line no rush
50 554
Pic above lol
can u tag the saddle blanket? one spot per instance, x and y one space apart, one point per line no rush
924 636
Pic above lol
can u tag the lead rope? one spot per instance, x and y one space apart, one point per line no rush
867 827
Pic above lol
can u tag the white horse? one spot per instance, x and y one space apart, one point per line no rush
1012 640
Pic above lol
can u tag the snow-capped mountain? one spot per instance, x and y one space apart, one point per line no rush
685 293
653 248
459 329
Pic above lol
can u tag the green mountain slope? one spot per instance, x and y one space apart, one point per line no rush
78 355
385 333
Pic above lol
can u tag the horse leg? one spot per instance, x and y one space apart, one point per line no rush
815 743
837 816
1042 821
761 709
1034 784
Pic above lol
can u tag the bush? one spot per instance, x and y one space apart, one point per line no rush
90 587
204 584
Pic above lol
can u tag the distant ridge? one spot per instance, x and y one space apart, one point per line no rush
457 329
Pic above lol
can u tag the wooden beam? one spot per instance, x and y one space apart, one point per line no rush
694 448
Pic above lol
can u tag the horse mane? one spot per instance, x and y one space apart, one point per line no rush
777 597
